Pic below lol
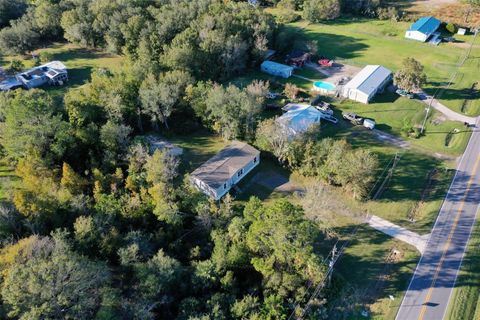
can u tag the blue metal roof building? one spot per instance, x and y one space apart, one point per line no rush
423 28
276 69
298 118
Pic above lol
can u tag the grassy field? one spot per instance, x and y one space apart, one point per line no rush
465 302
360 41
370 279
7 180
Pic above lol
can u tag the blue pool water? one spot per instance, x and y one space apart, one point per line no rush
324 85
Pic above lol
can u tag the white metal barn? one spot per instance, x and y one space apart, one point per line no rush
299 117
367 83
219 174
423 29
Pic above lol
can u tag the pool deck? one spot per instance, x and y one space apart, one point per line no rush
335 73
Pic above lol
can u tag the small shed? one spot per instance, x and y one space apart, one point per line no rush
367 83
423 29
298 58
462 31
276 69
299 117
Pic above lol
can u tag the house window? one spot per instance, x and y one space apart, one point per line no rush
240 172
255 160
224 186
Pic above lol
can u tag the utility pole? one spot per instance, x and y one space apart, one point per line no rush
427 109
331 263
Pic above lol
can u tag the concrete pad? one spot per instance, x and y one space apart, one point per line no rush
397 232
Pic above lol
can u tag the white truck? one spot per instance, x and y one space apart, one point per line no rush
369 124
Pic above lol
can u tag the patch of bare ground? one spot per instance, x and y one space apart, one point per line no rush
447 10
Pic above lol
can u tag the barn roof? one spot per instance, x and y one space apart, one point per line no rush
426 25
369 79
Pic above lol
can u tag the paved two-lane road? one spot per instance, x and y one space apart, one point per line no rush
429 291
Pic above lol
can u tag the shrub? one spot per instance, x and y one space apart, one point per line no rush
390 13
318 10
45 57
288 16
15 66
451 28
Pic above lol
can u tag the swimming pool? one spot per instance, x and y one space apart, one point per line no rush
323 86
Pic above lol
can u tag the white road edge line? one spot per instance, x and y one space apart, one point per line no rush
434 225
463 255
461 262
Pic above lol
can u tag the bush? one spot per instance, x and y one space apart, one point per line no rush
15 66
318 10
288 4
288 16
390 13
451 28
45 56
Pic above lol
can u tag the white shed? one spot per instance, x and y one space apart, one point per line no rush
367 83
276 69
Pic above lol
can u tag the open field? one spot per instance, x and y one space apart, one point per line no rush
369 279
361 41
455 11
465 302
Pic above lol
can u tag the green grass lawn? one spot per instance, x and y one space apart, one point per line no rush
391 113
465 302
8 180
361 267
197 147
361 41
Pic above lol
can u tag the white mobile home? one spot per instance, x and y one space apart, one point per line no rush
276 69
367 83
423 29
219 174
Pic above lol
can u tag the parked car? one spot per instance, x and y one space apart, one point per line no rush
353 118
272 95
404 93
324 107
369 124
329 118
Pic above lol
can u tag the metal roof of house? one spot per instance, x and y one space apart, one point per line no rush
225 164
426 25
277 66
369 79
299 117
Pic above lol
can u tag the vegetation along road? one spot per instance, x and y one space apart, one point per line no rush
434 279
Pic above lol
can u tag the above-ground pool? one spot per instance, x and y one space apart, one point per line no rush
323 86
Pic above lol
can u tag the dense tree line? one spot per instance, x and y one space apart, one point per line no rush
210 39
